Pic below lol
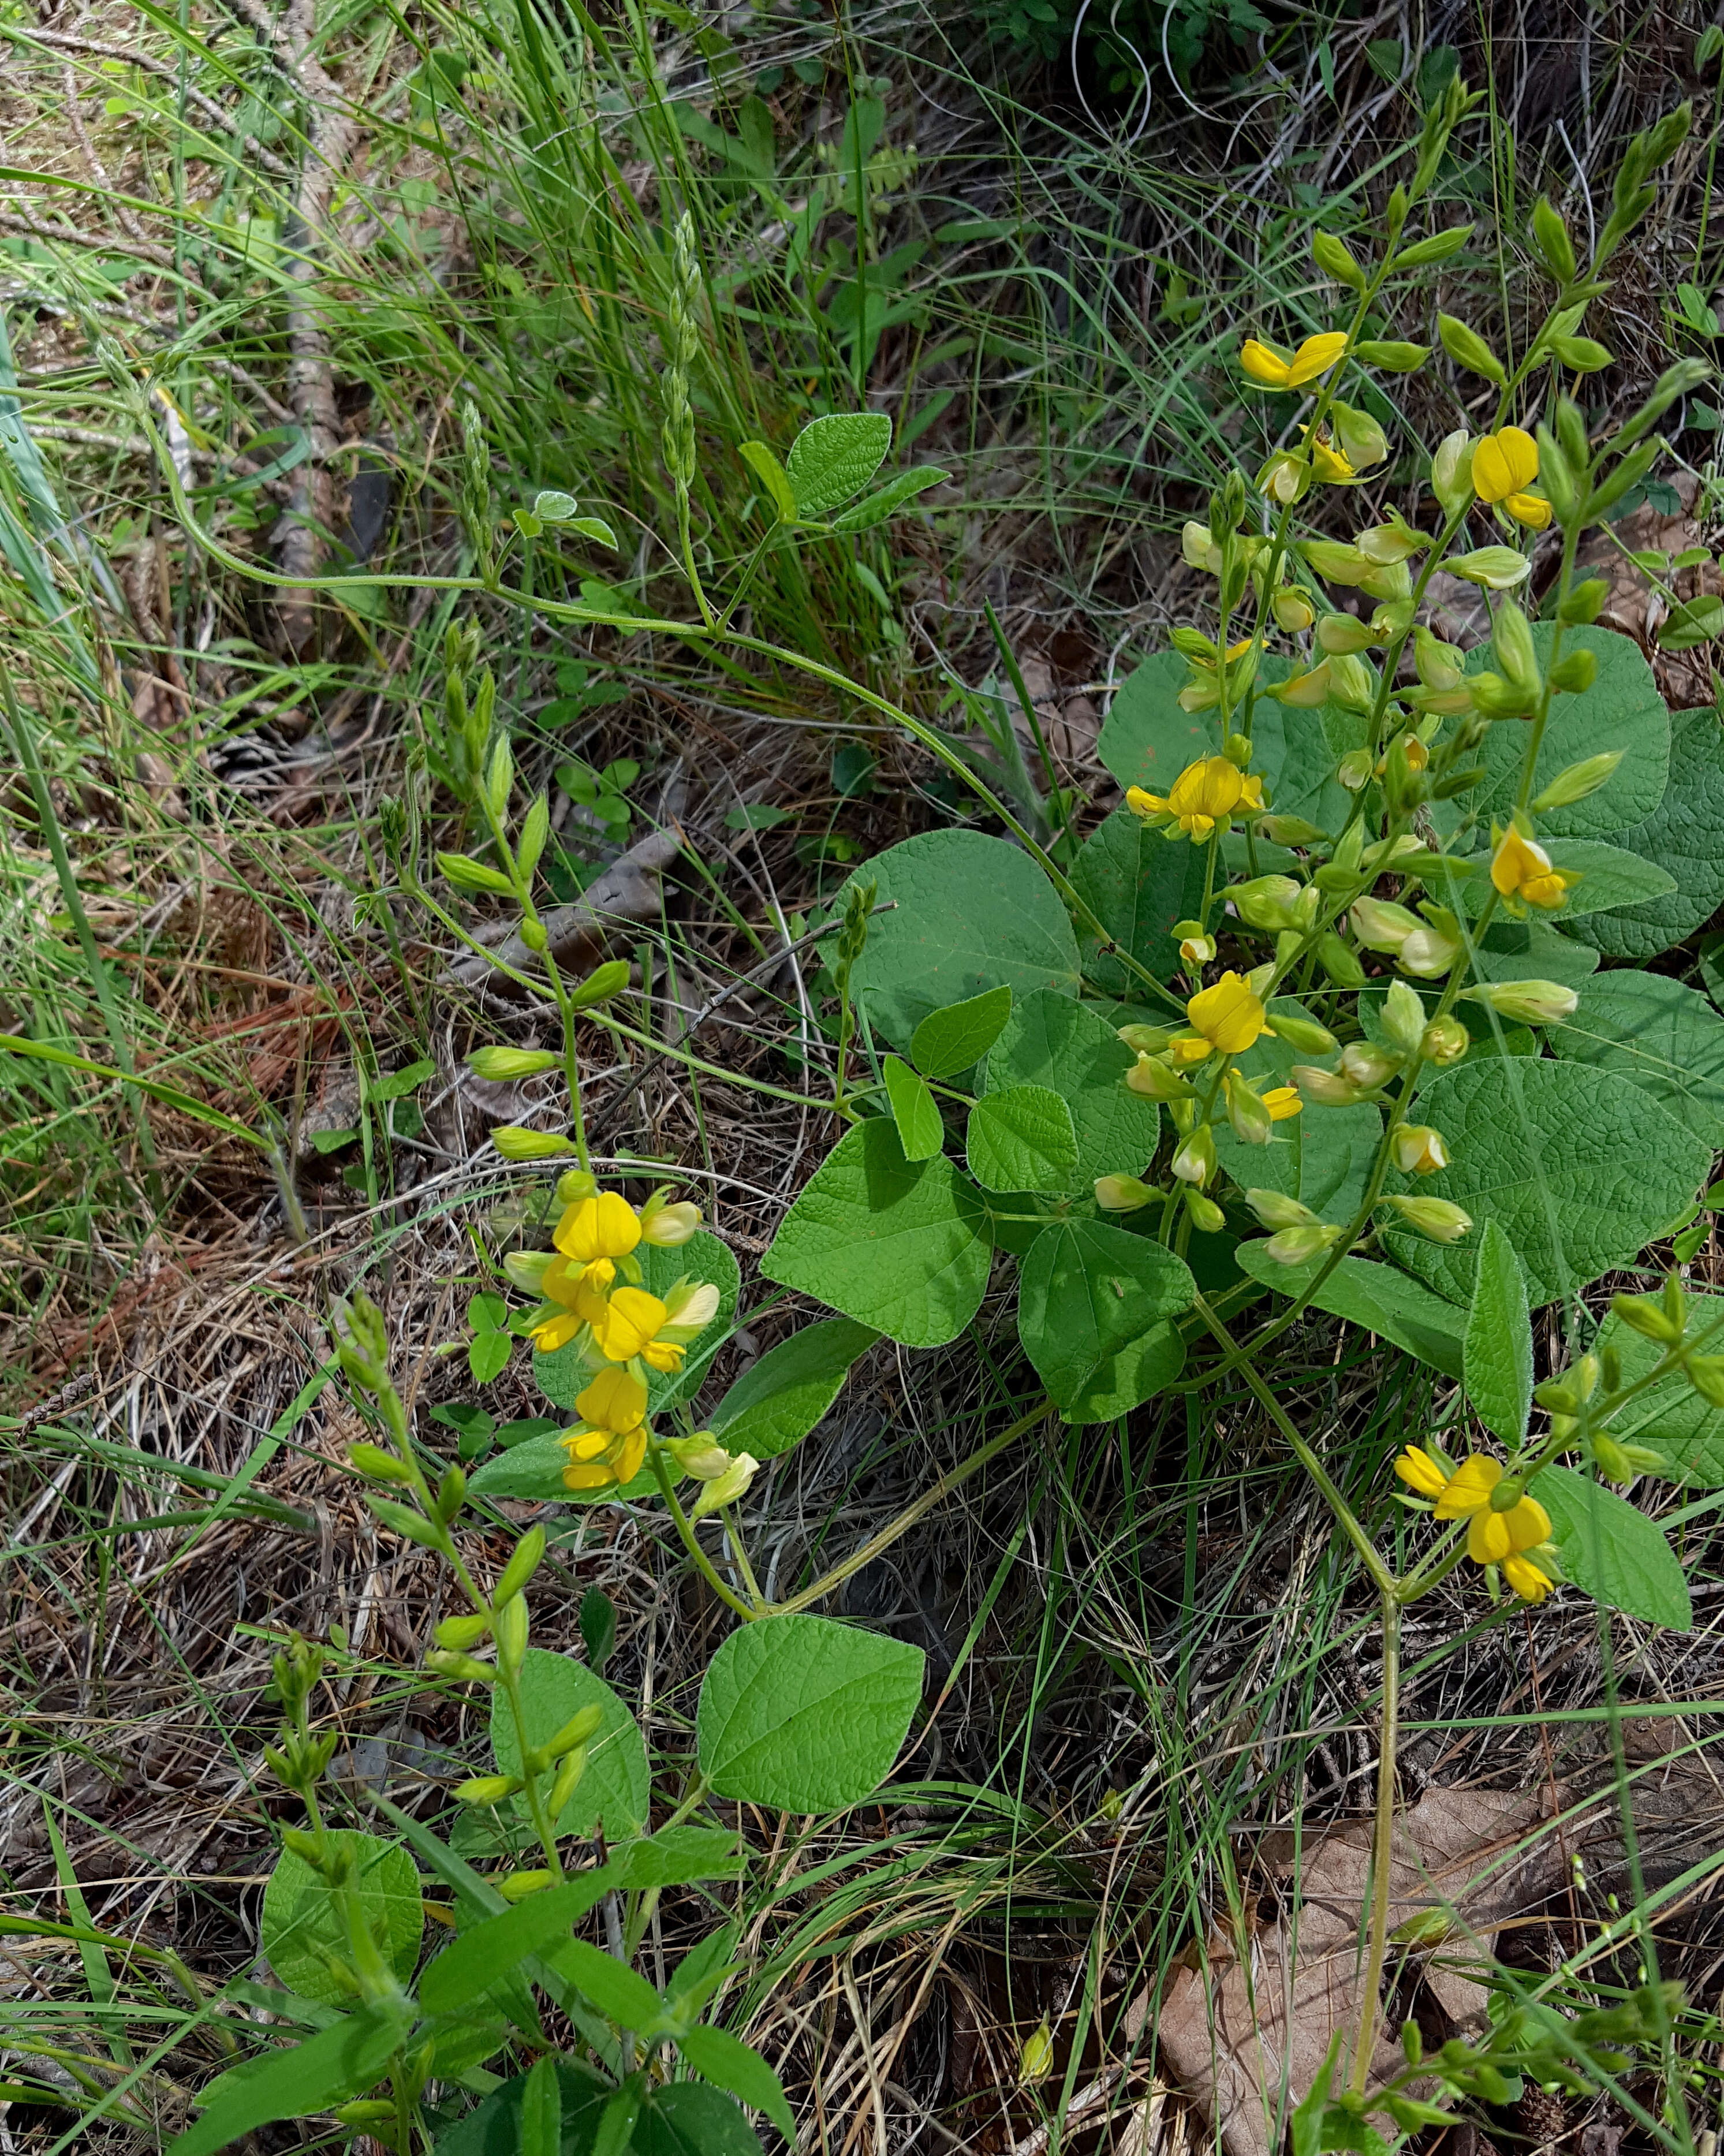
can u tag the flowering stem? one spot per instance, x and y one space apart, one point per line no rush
1382 1839
691 1541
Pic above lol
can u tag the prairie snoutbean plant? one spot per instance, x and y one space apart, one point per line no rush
1315 977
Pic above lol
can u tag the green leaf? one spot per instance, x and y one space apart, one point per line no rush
777 1400
1530 950
1323 1155
616 1787
678 1856
900 1246
971 913
921 1132
1498 1360
596 529
1612 1552
1622 710
1091 1307
1377 1297
532 1471
1664 1038
1137 884
619 1992
863 515
341 2062
1021 1139
1148 739
488 1355
493 2127
468 1968
564 1374
1050 1040
1609 876
951 1040
1671 1417
834 458
804 1714
738 2067
542 2111
772 476
690 2119
302 1923
1579 1167
1680 833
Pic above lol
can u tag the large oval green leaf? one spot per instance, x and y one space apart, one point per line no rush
777 1400
1680 833
1021 1139
901 1246
1137 882
1149 739
970 913
804 1714
1322 1156
1579 1167
1091 1309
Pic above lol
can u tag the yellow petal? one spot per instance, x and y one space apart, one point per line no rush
1469 1487
1145 804
1525 1578
1528 1524
614 1400
557 1332
1532 510
1417 1469
1504 464
1264 365
631 1318
1487 1537
1316 356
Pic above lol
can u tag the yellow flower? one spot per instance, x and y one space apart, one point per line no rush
1493 1537
609 1443
1520 870
1505 464
1282 1101
635 1324
594 1232
1205 794
1266 366
1228 1016
1419 1150
582 1303
1328 459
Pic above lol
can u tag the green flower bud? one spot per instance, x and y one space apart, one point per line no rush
1251 1121
1511 639
1579 779
1298 1246
1341 634
1403 1017
1367 1066
1433 1217
516 1142
1340 964
574 1184
462 1667
501 1063
464 1631
568 1779
1123 1193
1194 1162
372 1459
1145 1040
1444 1040
1290 831
1641 1314
1528 1003
1706 1373
529 1554
1207 1217
1265 902
1498 568
1273 1209
1303 1036
534 935
601 984
1584 603
509 1623
1452 471
487 1789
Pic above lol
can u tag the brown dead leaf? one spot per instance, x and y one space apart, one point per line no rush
1232 2034
626 891
1635 608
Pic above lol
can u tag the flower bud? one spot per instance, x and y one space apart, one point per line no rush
1613 1461
516 1885
1290 831
1428 954
529 1554
1340 634
1452 471
1303 691
1145 1040
1445 1041
1198 548
1403 1018
1298 1246
700 1455
1194 1162
1303 1036
1641 1314
1275 1209
1292 609
1207 1217
1435 1217
601 984
533 933
1511 639
1123 1193
1251 1121
528 1269
1328 1089
1354 769
574 1184
1341 965
1419 1150
577 1730
1528 1003
1152 1077
1706 1373
1440 665
1352 684
1192 644
1367 1066
729 1486
1237 750
1196 948
568 1779
381 1466
1265 902
464 1631
462 1667
1575 672
1577 781
1584 603
487 1789
1380 924
1334 562
667 1227
509 1624
514 1143
501 1063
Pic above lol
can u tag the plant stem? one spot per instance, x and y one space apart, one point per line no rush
691 1541
1383 1838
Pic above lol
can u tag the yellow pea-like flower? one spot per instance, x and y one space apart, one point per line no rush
1228 1016
1505 465
1271 369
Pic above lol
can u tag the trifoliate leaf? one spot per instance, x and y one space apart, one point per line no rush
834 458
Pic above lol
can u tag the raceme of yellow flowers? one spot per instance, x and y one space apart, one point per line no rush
593 1296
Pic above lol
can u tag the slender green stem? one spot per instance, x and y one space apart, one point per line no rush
1382 1839
691 1541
